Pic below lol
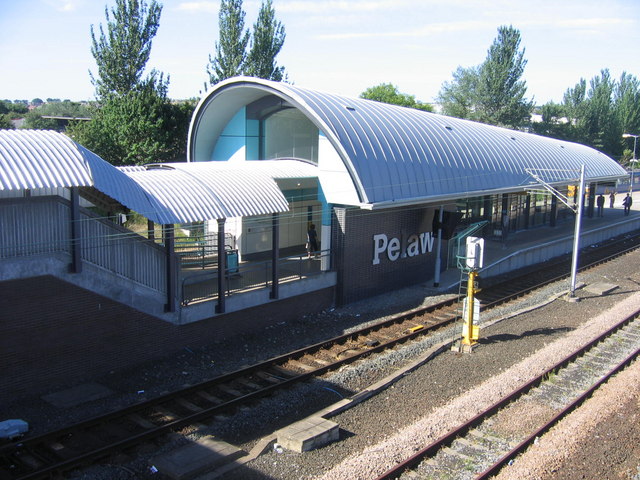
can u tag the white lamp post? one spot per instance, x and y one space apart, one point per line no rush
633 160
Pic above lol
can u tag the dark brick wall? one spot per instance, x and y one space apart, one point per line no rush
53 334
353 243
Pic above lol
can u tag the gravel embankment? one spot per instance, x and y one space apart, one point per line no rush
449 381
436 396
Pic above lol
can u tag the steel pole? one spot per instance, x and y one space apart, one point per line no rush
576 236
436 275
633 163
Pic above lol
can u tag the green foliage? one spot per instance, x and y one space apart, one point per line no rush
122 52
66 109
388 93
16 109
457 97
231 48
492 92
133 122
598 115
554 123
232 58
136 128
266 42
5 122
34 119
626 104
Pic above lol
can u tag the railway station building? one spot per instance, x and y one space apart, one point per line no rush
384 173
393 192
388 188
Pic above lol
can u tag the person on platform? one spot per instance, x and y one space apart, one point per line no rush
626 203
600 204
312 241
612 198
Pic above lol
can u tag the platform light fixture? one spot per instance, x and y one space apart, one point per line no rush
633 160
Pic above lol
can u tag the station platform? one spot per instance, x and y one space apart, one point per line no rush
538 244
521 249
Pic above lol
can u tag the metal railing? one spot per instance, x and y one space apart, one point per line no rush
250 276
42 225
201 252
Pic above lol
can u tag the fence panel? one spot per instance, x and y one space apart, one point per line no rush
41 225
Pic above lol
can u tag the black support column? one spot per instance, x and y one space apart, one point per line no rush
488 210
505 217
76 241
169 246
591 200
554 211
275 255
527 211
222 268
151 234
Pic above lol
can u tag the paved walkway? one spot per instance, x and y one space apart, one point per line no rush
496 250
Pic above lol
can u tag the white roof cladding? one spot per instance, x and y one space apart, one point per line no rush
209 190
171 193
34 159
396 155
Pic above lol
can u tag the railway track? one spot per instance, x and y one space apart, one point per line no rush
480 448
85 442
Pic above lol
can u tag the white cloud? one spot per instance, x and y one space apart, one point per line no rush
333 6
424 31
197 7
64 5
594 22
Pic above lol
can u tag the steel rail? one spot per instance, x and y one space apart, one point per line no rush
522 446
462 429
27 443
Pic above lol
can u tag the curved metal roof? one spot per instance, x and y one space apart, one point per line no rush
398 155
171 193
26 161
208 190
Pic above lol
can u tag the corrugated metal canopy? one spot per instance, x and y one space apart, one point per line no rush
396 155
208 190
32 159
171 193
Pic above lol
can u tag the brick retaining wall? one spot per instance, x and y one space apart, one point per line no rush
53 334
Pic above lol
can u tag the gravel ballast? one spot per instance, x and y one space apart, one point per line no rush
429 399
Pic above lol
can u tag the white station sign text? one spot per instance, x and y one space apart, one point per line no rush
416 244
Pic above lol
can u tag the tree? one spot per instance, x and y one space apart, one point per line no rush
598 115
600 121
136 128
18 107
626 103
457 97
266 42
34 119
493 92
500 88
232 46
133 121
5 122
554 122
388 93
122 52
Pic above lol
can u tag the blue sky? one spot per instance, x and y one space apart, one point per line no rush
338 46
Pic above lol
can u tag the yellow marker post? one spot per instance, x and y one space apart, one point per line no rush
470 332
